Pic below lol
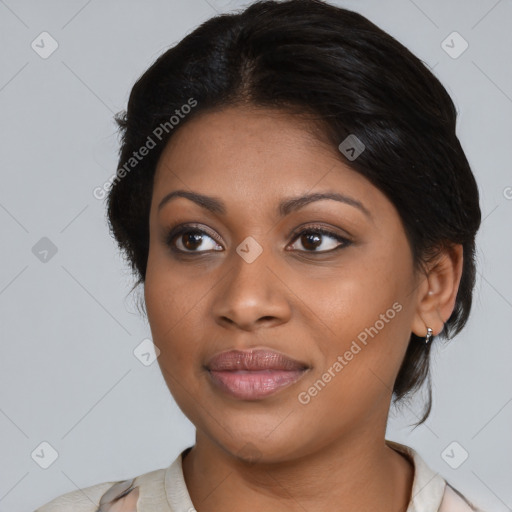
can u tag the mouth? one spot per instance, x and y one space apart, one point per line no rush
254 374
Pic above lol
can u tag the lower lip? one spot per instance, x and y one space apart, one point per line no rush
253 385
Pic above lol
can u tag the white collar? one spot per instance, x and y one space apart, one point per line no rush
427 487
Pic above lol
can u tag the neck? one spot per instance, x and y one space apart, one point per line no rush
361 473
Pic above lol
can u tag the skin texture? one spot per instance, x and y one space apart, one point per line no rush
277 453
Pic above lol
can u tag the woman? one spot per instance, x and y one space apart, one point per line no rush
293 197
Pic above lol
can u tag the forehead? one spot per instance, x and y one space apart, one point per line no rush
247 145
243 133
253 158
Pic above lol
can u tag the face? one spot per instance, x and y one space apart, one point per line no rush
328 283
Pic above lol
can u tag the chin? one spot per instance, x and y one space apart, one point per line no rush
257 448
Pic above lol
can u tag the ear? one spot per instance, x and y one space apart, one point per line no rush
438 291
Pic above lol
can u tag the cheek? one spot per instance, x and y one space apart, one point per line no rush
354 297
172 308
365 312
170 293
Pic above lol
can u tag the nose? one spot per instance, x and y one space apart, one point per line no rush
252 294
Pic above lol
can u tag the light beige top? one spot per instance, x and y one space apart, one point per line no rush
164 490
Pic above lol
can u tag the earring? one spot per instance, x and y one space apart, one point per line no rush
428 337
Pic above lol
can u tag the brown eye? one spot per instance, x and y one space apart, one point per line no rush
187 239
191 240
313 238
311 241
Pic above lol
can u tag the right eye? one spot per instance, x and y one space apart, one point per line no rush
187 239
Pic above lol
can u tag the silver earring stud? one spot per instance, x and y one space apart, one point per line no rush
428 337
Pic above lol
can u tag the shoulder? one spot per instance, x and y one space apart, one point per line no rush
454 501
81 500
106 496
430 491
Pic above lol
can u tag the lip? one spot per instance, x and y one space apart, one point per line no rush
254 374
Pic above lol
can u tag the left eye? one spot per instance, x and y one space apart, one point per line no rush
190 240
314 238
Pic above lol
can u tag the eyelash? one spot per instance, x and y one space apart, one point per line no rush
174 233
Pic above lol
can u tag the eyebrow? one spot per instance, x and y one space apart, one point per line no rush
217 206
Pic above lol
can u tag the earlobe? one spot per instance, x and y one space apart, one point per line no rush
438 291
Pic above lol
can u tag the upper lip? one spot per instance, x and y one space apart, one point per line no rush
256 359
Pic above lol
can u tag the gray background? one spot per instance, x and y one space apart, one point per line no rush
68 373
